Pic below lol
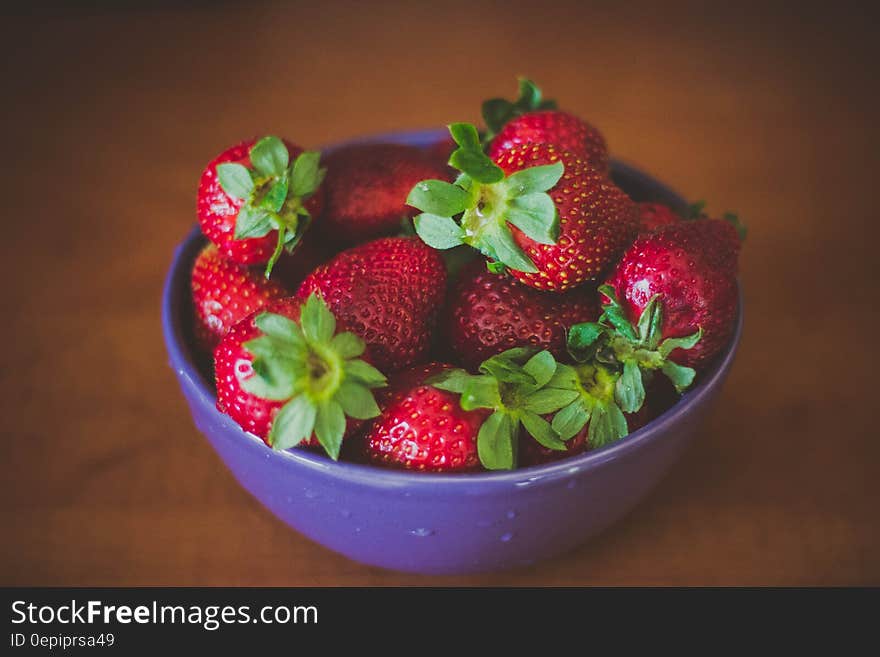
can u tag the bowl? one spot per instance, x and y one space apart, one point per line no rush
436 523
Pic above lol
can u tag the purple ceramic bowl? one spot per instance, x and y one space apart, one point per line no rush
434 523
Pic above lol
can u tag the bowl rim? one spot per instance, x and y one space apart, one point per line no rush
183 363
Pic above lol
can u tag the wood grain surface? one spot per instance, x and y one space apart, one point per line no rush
110 114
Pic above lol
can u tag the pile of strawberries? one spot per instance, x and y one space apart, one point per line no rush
490 302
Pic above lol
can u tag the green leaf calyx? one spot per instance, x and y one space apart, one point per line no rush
633 351
274 191
595 403
482 205
316 371
520 386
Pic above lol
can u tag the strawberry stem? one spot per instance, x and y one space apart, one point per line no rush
279 247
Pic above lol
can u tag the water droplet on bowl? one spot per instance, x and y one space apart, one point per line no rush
422 532
345 513
507 537
511 514
310 494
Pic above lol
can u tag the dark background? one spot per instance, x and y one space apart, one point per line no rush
110 114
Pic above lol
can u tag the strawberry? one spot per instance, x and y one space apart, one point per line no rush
654 216
531 120
224 292
388 292
545 214
488 313
565 130
614 365
367 186
609 399
424 428
691 268
670 306
258 198
519 387
285 374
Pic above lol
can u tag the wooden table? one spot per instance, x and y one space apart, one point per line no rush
111 114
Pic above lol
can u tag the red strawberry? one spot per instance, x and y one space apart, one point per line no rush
367 186
387 291
424 428
553 220
223 292
258 197
654 216
488 313
566 131
691 269
286 375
